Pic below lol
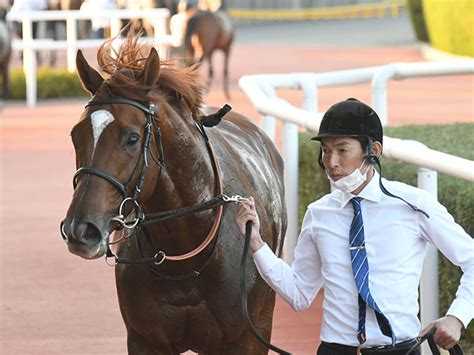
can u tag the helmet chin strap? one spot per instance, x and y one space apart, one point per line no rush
388 193
373 159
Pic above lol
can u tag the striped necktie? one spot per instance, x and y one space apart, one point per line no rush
360 269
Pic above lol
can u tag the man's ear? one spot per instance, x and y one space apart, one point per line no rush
90 78
377 149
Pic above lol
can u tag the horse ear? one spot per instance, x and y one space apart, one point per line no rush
90 78
151 71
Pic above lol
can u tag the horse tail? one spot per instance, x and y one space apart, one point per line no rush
191 29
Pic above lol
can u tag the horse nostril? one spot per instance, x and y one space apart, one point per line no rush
63 232
89 233
83 233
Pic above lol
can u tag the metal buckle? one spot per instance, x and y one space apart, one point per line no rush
163 257
107 260
235 198
120 218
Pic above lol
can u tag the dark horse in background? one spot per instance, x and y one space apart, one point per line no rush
204 32
5 52
141 138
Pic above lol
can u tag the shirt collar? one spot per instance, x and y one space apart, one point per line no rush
371 192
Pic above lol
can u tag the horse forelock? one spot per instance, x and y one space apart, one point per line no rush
125 65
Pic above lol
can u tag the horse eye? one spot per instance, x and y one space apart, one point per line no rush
133 139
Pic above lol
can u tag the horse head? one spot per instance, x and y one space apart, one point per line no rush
111 158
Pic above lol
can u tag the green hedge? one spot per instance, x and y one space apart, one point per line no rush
457 195
51 83
450 25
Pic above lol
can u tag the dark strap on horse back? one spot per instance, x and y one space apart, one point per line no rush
243 294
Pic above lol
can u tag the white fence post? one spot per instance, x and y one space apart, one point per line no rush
379 91
160 31
269 122
29 62
429 283
71 38
289 151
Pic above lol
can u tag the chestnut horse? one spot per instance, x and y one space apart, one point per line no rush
204 32
142 151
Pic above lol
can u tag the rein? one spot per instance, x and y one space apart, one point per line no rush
455 350
243 294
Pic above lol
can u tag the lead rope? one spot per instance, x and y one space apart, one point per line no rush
243 294
455 350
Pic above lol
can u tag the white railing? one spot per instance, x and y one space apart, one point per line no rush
261 90
29 46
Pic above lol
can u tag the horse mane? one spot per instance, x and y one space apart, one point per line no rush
125 65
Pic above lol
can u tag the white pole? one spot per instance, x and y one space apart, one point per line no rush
115 28
379 90
159 27
429 284
29 62
289 151
71 37
268 122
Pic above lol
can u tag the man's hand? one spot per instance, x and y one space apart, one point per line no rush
246 212
448 331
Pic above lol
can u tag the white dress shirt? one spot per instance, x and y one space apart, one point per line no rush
396 240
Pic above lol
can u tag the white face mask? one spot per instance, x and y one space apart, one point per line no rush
350 182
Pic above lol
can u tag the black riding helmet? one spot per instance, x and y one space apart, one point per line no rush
351 118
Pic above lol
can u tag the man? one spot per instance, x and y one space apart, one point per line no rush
365 242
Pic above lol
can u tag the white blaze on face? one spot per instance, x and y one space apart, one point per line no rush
99 120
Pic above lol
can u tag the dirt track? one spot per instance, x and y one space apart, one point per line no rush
55 303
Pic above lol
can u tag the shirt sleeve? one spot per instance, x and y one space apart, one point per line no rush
451 239
299 283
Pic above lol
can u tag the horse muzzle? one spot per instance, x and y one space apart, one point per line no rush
84 239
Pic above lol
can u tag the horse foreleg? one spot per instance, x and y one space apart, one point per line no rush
226 66
210 72
138 345
262 318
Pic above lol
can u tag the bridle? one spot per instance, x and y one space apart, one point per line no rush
150 123
131 196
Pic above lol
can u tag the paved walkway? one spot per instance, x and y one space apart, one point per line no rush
55 303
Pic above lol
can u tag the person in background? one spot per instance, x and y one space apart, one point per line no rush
365 243
100 24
